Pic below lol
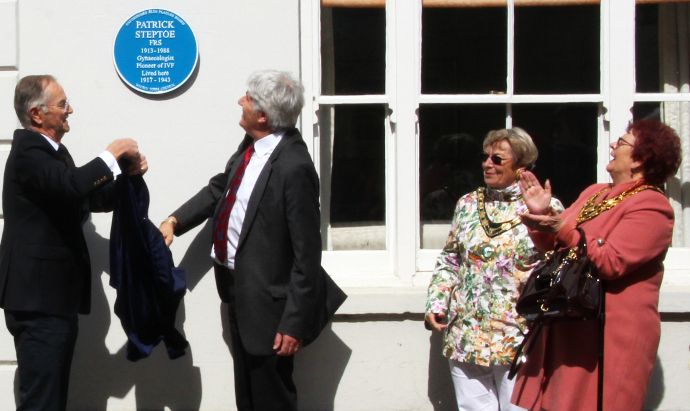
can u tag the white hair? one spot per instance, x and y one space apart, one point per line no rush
279 95
31 91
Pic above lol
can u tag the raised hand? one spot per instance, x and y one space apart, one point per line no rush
537 198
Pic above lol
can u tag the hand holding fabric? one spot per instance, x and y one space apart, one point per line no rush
139 166
125 147
167 228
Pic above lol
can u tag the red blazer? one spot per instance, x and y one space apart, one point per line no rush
628 245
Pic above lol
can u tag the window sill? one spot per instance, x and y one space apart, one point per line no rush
403 300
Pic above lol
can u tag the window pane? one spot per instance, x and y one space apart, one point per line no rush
646 109
566 137
647 48
449 147
353 179
464 50
353 50
661 47
557 49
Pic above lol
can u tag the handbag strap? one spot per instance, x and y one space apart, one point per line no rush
581 252
600 376
582 243
533 333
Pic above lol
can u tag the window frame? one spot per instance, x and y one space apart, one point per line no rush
404 262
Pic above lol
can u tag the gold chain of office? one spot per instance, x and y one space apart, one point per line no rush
491 228
590 210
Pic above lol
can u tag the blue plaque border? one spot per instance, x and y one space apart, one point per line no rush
135 17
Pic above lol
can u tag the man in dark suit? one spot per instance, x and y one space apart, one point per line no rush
45 273
267 243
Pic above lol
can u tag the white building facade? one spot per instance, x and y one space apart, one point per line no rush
399 93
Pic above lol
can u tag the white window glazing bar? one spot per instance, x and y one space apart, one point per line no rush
363 99
505 99
510 78
605 88
654 97
510 86
404 205
390 130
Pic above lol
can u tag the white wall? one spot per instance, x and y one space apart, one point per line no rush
376 356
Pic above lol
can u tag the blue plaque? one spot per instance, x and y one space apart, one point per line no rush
155 51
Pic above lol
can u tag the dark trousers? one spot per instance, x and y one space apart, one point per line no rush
262 383
44 346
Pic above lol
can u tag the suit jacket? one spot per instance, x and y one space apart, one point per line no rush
278 284
44 261
149 286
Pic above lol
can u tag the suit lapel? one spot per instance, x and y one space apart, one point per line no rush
260 187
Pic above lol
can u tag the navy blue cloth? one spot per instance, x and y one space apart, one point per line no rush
149 286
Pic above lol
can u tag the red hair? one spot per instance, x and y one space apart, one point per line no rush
657 147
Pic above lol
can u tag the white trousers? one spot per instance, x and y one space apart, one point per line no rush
480 388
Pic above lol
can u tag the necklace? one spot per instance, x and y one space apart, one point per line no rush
491 228
590 210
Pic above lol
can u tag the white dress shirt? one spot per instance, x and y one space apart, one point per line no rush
262 151
106 156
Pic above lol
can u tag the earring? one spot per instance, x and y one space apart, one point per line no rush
518 174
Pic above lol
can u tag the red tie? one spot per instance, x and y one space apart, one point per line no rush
220 234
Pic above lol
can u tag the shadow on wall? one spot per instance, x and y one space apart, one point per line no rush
656 389
98 375
440 389
319 369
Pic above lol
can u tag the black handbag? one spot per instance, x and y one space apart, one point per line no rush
563 287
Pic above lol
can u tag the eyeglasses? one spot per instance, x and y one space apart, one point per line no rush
496 159
622 142
64 105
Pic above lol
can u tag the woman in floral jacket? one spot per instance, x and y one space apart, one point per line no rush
479 275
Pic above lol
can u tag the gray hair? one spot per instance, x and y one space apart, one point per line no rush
521 144
277 94
31 92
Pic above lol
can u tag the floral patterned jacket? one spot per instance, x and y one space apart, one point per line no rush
477 279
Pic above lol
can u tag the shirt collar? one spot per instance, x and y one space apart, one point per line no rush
510 193
266 145
52 142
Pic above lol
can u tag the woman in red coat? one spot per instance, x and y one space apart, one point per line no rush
628 226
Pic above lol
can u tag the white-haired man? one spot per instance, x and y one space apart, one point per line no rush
266 243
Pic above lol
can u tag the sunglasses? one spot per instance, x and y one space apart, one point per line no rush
496 159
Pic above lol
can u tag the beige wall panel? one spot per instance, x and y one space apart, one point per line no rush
8 33
8 119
